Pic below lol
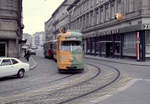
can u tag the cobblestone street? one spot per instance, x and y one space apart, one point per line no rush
45 85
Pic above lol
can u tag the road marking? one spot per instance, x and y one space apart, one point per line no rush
112 92
130 83
99 99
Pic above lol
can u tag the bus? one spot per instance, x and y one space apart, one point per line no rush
50 49
69 51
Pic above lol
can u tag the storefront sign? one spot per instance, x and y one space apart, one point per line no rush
147 26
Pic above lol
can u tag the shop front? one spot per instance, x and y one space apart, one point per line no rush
131 42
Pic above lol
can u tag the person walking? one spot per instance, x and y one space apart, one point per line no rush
27 55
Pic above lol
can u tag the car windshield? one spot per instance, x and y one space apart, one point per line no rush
71 46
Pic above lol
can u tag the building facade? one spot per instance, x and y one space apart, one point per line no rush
10 27
38 39
58 20
104 35
28 38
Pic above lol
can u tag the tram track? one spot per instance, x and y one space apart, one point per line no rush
95 90
74 91
50 82
43 96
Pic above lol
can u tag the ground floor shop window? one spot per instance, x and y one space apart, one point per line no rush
117 48
147 43
129 45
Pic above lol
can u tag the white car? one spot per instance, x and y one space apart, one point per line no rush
12 66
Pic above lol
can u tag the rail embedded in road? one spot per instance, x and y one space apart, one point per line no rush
93 80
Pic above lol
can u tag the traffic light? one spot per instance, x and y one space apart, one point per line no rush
119 16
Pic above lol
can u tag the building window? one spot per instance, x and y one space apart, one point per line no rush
87 20
119 6
131 6
112 13
83 21
97 16
102 15
107 14
91 18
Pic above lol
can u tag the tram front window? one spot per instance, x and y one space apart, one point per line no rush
71 46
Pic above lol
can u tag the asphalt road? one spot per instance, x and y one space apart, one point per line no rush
45 78
137 91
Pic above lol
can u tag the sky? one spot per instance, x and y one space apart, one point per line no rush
36 13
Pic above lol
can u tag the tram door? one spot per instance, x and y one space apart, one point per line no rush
109 49
2 49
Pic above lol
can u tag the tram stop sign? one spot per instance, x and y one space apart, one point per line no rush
119 16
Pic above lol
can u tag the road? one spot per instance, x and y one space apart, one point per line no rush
45 85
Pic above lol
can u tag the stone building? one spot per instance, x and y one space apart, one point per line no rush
39 39
10 27
49 29
28 40
105 36
108 37
59 19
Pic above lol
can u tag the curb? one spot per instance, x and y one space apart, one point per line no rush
114 61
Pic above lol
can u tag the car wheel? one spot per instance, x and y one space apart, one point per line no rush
20 74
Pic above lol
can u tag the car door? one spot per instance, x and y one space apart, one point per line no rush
1 70
6 68
16 66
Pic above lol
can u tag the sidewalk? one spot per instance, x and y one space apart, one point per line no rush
119 60
31 62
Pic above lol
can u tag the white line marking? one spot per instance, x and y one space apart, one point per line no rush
100 99
130 83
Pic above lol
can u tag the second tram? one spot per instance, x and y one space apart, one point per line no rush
50 49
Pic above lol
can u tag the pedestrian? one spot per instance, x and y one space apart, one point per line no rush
27 55
25 52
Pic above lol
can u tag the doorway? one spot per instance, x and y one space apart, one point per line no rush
2 49
109 49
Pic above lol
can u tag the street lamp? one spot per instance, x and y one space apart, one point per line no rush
119 16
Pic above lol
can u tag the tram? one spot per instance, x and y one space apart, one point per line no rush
50 49
69 51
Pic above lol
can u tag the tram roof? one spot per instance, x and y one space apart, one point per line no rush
71 33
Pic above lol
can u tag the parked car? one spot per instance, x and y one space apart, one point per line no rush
32 51
12 66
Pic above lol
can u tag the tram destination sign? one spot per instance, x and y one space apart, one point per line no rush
72 38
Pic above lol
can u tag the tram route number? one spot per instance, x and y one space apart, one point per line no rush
147 26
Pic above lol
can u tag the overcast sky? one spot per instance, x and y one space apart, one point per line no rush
36 12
